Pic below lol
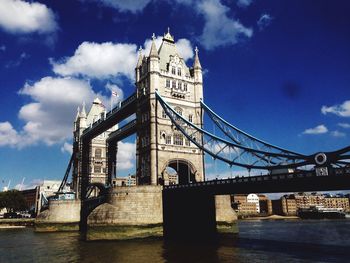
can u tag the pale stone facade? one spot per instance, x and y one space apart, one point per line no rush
159 144
98 156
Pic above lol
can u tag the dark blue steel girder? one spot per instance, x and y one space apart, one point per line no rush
244 150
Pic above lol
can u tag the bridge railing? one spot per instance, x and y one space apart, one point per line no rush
259 178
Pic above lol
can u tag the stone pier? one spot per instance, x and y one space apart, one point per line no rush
62 215
131 212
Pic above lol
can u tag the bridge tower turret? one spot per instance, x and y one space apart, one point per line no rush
159 144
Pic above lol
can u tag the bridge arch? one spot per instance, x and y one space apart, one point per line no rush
185 170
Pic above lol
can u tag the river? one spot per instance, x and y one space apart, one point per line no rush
258 241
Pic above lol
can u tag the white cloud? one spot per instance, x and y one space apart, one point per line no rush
133 6
219 29
264 21
344 125
338 134
96 60
8 135
342 110
244 3
18 16
183 46
67 148
126 155
50 115
320 129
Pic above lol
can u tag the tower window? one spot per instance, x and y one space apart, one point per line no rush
178 139
168 139
98 153
173 84
168 83
187 142
185 86
190 118
164 114
97 169
178 110
179 71
173 70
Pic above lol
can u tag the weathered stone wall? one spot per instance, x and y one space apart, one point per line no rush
61 211
137 205
226 217
224 211
62 215
131 212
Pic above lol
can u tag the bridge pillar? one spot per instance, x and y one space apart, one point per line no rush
226 217
130 212
196 215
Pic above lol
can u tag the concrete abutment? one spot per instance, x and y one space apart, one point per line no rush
145 211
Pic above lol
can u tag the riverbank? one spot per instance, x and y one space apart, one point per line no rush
271 217
16 223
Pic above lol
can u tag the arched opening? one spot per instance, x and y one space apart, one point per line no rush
178 172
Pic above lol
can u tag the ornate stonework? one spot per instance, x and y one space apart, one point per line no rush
159 144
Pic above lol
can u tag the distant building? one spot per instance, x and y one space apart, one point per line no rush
291 203
129 180
249 204
337 202
254 199
30 196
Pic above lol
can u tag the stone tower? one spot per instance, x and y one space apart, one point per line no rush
98 158
159 144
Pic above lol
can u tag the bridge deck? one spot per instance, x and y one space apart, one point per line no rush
298 182
119 113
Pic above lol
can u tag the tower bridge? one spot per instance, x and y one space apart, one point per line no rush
169 110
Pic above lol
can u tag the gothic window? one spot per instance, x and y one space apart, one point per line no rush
173 84
178 110
179 85
187 142
178 139
168 139
97 169
168 83
173 70
185 86
190 118
179 71
164 114
98 153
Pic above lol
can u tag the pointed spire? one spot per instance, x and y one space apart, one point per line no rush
196 63
139 62
168 37
78 114
83 111
153 52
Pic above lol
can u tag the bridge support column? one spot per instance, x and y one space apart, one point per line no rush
226 217
197 215
130 212
62 215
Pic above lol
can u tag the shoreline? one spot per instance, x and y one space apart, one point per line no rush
271 217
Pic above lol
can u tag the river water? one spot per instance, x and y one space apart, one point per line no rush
258 241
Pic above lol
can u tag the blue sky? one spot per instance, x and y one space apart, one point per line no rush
279 70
